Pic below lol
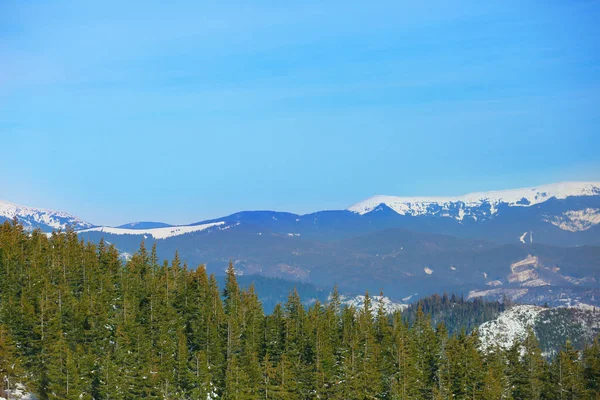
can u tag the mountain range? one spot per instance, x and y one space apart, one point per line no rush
535 243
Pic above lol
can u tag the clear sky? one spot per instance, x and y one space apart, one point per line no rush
179 111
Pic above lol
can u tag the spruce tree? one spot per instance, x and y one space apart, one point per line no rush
591 368
10 372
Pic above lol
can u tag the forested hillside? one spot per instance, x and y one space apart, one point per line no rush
76 322
455 312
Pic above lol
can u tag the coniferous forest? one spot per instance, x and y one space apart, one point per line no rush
76 322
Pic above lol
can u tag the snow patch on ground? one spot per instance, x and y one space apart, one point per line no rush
407 298
513 293
578 281
522 237
529 260
19 393
156 233
535 283
229 226
524 271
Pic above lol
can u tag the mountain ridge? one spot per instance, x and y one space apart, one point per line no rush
45 219
477 205
460 205
522 251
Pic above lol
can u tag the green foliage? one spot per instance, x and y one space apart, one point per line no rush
78 323
455 312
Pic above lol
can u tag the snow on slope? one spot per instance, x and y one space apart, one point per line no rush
511 325
458 207
156 233
390 306
47 220
576 220
552 326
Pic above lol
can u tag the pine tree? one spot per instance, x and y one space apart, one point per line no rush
591 368
496 383
424 348
9 362
383 338
183 375
527 370
404 383
367 374
203 387
296 344
569 373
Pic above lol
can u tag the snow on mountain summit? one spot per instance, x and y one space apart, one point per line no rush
460 206
46 220
156 233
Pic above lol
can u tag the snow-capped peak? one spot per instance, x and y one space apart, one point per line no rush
46 220
460 206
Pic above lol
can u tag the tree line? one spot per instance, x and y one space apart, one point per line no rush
77 322
455 312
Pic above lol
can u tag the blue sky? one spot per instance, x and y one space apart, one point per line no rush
181 111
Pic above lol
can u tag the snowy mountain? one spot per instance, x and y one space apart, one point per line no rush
485 205
46 220
558 214
155 233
